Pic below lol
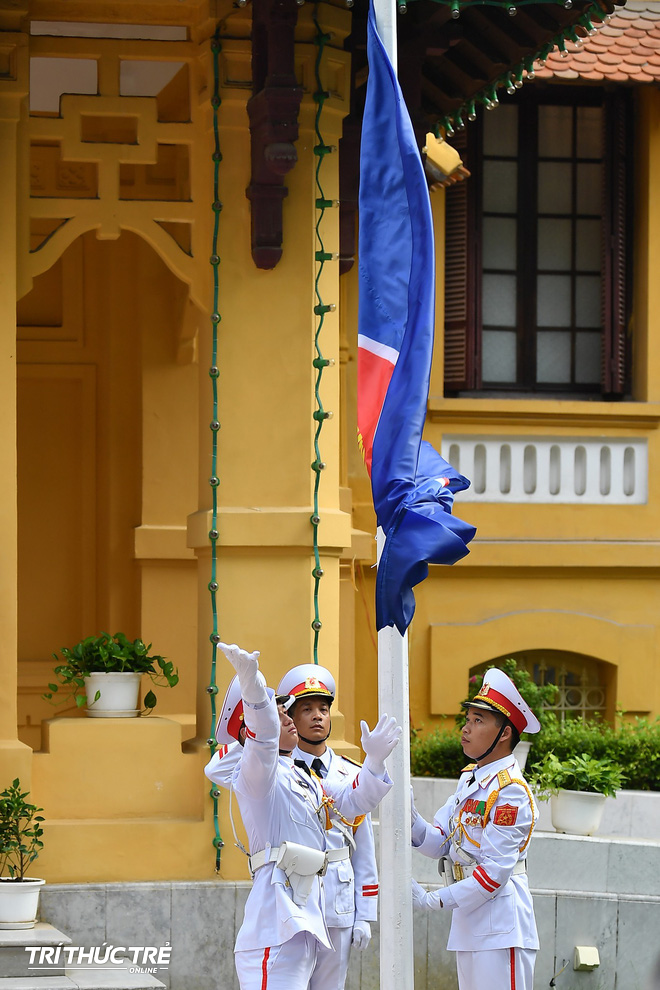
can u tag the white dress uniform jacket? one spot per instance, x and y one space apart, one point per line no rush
351 886
485 826
279 802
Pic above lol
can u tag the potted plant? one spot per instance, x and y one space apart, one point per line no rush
577 787
20 844
539 697
104 673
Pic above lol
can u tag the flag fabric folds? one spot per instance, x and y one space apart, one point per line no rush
413 487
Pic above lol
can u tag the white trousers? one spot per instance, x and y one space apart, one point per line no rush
332 964
504 969
279 967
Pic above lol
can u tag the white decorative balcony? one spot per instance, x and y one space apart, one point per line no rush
586 470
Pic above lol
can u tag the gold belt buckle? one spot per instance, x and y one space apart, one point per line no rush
457 870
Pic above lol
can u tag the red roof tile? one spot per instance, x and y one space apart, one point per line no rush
624 49
588 58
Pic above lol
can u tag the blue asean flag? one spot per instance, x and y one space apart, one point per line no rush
413 487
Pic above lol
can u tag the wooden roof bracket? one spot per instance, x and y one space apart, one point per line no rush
273 115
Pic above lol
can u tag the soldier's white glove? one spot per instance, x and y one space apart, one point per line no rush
361 934
246 665
379 742
425 899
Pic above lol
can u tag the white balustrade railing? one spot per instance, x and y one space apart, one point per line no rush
587 470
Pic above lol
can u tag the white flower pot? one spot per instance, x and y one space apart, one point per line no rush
521 751
19 901
118 695
577 812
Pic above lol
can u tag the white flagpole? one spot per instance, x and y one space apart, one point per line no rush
395 900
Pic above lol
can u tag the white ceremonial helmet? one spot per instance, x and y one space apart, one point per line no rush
308 680
498 693
231 715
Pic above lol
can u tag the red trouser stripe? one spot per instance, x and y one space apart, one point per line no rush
264 969
513 969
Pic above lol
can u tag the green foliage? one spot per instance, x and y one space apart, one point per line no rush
577 773
538 697
634 746
437 754
109 654
20 831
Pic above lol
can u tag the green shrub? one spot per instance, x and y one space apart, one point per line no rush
632 746
108 654
20 831
577 773
436 754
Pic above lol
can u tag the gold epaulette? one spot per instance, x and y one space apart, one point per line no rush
469 768
504 778
349 760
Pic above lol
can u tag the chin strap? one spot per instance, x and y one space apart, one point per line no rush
492 745
314 742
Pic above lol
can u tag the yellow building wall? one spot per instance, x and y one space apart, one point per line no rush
114 454
114 446
579 579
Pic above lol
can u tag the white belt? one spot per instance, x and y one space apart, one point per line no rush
270 855
453 871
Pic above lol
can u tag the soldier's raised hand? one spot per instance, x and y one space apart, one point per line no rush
379 742
246 665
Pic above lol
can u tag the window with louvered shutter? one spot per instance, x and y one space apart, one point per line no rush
535 265
460 246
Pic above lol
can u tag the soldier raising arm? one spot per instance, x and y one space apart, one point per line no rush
285 813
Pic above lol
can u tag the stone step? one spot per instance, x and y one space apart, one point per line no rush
50 969
40 934
36 983
15 957
115 978
87 978
16 963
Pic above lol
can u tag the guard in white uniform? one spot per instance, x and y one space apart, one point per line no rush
285 812
481 838
351 885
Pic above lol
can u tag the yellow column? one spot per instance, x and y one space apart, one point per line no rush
15 757
266 397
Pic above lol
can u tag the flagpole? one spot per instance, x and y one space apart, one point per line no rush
385 12
395 900
408 477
